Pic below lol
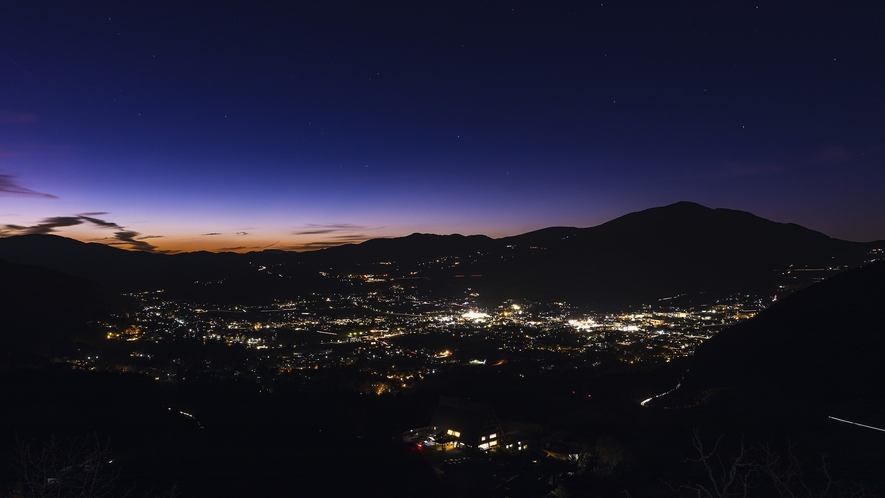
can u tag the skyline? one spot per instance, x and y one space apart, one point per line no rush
241 127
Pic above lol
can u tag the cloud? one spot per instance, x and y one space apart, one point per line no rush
240 234
48 225
339 240
318 229
336 234
99 222
357 236
122 237
132 240
9 186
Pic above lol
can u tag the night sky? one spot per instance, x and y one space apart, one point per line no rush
162 125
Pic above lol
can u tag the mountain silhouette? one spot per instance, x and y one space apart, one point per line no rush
683 248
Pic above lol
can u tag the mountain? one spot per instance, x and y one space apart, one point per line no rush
50 310
213 277
113 267
417 247
677 249
683 248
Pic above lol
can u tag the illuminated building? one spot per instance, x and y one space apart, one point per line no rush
459 422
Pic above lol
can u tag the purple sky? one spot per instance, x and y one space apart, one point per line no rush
241 125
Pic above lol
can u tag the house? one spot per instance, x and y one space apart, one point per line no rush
463 423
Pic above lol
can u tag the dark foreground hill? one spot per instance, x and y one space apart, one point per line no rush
823 344
765 392
46 311
237 442
788 374
683 248
772 379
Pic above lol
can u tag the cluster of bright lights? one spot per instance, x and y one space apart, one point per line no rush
476 316
585 324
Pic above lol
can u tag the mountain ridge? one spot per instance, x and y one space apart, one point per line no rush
682 248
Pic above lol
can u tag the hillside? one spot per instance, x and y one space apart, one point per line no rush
822 345
46 311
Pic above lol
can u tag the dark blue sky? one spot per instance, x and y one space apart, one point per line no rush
155 124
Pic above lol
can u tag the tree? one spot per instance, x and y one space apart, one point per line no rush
79 468
762 468
725 478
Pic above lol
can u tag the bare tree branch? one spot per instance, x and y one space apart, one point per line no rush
782 475
77 469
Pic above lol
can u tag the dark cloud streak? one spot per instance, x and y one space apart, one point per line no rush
99 222
9 186
122 237
340 240
48 225
131 239
337 234
319 229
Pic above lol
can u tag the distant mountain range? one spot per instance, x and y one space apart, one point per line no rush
680 249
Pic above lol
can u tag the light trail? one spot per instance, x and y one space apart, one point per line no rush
645 402
188 415
855 423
